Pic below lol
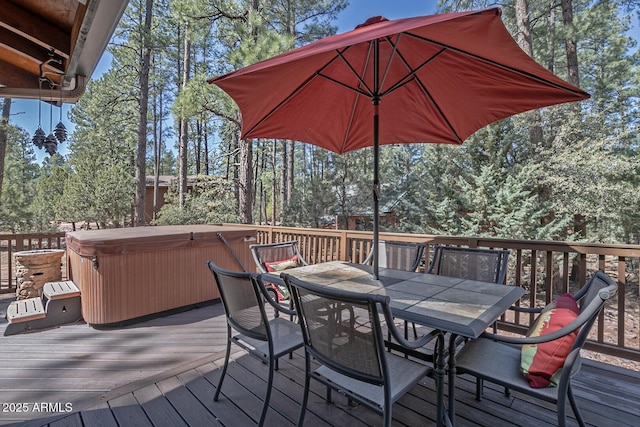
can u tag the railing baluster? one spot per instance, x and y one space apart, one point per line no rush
533 291
622 282
548 278
518 279
565 272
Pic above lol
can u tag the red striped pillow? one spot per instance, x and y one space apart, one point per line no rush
282 264
542 363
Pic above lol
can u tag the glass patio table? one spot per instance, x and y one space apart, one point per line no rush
458 306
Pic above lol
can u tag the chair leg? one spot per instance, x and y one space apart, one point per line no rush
305 396
387 414
265 406
226 363
574 406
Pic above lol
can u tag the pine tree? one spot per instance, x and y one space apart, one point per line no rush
18 186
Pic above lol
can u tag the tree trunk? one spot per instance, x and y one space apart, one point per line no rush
246 181
571 44
4 122
206 148
182 149
283 178
141 159
263 197
198 145
274 191
526 43
244 172
290 172
157 149
551 46
571 47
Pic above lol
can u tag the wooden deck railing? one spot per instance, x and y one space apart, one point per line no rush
544 268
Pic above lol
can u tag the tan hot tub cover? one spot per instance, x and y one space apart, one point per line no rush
128 273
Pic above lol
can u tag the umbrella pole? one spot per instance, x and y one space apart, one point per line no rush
376 189
376 159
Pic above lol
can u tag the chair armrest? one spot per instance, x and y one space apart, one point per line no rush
300 257
582 318
421 342
587 313
526 309
269 298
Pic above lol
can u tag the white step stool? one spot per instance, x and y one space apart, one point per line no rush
61 305
25 310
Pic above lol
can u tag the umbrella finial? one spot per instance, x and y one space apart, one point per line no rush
372 20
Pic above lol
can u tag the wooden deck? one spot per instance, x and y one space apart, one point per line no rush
163 372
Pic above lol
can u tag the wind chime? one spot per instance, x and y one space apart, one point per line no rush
59 135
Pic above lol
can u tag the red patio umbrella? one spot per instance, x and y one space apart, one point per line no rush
429 79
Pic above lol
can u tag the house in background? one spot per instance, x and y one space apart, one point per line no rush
364 221
164 182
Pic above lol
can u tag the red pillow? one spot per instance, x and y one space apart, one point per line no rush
542 363
282 264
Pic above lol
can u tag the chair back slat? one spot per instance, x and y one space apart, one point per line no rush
242 302
273 252
591 290
398 255
485 265
591 299
330 334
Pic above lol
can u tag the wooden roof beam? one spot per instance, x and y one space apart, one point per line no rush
13 76
34 29
18 50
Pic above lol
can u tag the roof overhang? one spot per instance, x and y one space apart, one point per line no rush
53 44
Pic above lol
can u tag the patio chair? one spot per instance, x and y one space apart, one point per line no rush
243 296
485 265
352 358
270 257
500 359
399 256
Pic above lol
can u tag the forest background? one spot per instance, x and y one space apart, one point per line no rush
569 172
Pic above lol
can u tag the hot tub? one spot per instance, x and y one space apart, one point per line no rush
128 274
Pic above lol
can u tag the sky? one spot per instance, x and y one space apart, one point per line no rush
24 113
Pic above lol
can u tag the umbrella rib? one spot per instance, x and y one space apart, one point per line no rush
295 91
435 104
355 73
346 86
412 71
495 63
357 90
411 76
393 53
348 130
